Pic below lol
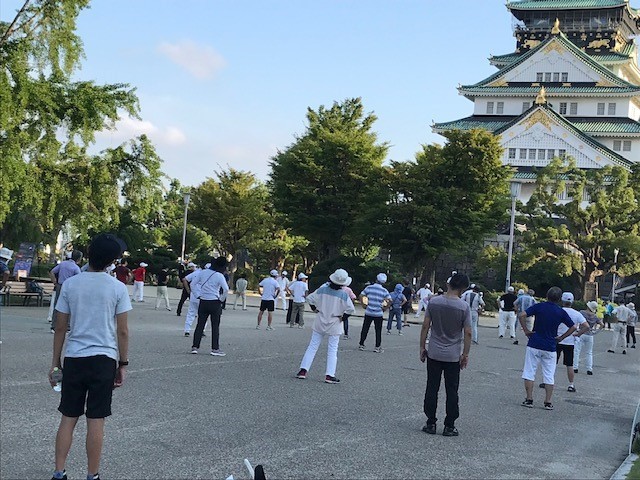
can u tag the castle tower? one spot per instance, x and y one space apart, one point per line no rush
571 88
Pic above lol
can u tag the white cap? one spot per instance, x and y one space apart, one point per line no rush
191 265
302 276
381 278
521 292
473 285
511 289
143 265
284 273
340 277
631 306
593 306
428 285
6 253
207 265
273 273
567 297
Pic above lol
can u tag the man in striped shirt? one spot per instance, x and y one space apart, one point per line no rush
376 294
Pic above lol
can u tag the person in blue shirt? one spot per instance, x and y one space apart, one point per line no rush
541 347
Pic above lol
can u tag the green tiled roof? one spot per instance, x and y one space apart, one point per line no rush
551 91
610 154
532 175
563 40
603 58
564 4
592 126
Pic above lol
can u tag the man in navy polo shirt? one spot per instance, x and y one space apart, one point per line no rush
542 345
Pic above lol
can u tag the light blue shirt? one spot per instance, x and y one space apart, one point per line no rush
376 294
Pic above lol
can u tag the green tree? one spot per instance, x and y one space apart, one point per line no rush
327 184
580 235
447 200
47 122
231 209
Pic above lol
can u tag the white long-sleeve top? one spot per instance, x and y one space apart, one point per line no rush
331 305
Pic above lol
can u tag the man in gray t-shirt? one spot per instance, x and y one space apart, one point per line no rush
449 320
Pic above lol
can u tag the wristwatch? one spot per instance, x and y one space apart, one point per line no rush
123 364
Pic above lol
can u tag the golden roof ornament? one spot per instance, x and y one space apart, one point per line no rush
556 27
541 99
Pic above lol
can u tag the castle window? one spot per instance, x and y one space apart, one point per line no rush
523 154
612 109
512 153
565 77
541 154
563 108
490 108
551 154
547 76
525 106
562 154
556 77
532 154
539 77
601 109
500 108
617 145
626 146
573 108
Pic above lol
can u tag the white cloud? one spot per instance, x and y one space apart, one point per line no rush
201 61
128 128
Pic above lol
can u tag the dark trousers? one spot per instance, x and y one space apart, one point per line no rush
631 332
451 370
289 310
183 298
208 308
345 323
377 321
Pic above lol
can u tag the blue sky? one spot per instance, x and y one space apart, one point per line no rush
227 82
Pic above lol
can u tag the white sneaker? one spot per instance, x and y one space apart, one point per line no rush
378 350
194 351
300 326
168 309
400 333
269 328
388 332
218 353
257 327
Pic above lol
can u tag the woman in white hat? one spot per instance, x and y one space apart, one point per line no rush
585 343
330 303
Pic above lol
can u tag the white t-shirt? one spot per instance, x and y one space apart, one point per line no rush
622 313
426 293
192 278
93 299
298 289
269 286
577 318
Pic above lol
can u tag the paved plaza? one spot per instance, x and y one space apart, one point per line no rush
197 416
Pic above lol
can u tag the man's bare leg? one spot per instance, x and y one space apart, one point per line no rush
95 435
269 318
570 375
64 438
260 316
548 391
528 388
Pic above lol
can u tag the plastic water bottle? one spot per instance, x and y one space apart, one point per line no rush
56 376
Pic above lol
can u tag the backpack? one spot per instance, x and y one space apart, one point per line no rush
34 287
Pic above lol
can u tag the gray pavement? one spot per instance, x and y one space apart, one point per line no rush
197 416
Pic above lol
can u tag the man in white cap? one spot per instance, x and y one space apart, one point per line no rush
298 291
623 314
475 301
376 295
631 324
5 256
330 303
241 291
269 290
283 282
565 347
138 282
508 313
423 295
524 301
585 342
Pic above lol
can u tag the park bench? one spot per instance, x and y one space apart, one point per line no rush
19 289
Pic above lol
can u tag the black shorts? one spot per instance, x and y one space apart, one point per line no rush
267 305
87 380
567 354
406 308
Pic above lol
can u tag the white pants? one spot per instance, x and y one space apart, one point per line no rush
534 358
192 313
619 330
283 297
474 325
422 305
162 293
584 343
138 291
510 319
332 352
242 295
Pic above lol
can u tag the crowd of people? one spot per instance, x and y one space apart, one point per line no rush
91 310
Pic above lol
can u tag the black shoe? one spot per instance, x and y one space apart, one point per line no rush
610 351
516 342
64 476
589 372
330 379
450 432
501 336
527 403
624 352
548 406
203 335
186 334
575 370
178 313
541 385
429 428
633 346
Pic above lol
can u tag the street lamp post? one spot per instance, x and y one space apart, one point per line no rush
515 193
615 269
186 197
